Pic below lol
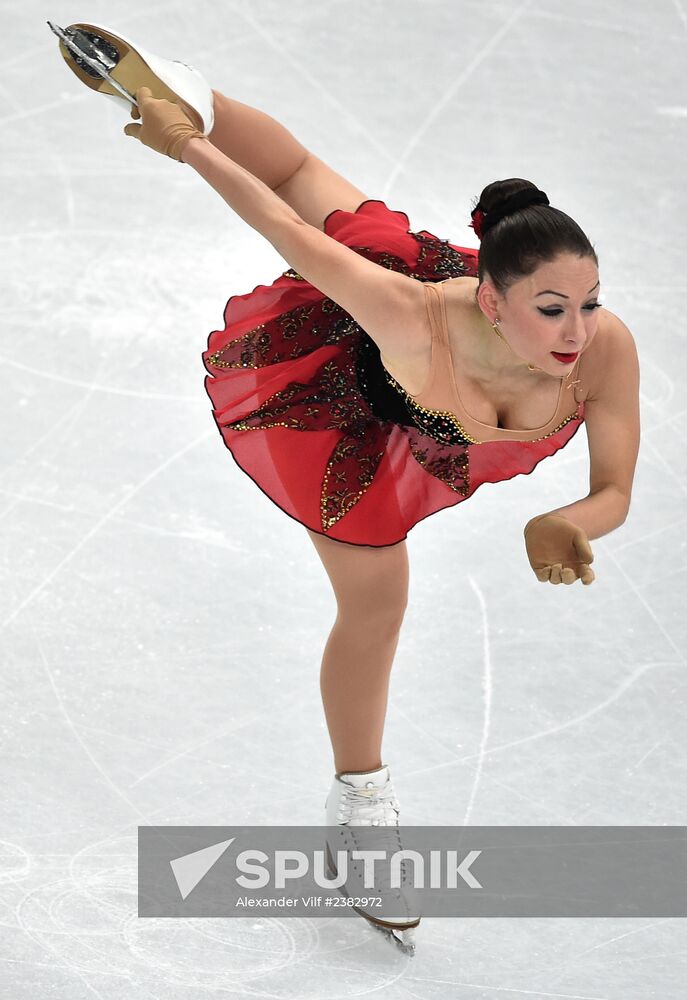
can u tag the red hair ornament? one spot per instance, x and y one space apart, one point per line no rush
521 199
478 217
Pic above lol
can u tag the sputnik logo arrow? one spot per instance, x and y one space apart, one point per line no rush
189 869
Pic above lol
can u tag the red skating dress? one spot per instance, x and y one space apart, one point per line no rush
305 406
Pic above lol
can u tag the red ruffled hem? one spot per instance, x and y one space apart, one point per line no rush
285 384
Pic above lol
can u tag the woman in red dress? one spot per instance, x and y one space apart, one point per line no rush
387 374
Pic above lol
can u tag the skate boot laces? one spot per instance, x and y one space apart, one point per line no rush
374 805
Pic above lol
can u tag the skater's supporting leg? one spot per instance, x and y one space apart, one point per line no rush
267 149
371 589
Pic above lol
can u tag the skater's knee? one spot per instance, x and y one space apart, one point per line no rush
373 594
370 584
378 615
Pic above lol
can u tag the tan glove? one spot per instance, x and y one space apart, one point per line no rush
558 550
166 128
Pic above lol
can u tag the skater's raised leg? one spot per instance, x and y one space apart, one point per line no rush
266 148
371 589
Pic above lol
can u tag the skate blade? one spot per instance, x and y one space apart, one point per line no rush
120 71
403 939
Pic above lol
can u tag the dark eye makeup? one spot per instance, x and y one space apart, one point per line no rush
557 312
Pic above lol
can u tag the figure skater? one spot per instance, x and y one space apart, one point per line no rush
387 374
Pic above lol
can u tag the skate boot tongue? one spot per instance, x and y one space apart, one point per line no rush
366 779
366 798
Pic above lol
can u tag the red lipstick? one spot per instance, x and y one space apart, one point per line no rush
565 359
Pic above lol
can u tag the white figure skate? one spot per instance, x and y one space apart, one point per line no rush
113 65
368 799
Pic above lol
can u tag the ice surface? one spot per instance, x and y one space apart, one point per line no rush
164 622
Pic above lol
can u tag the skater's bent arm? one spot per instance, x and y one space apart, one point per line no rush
611 416
388 305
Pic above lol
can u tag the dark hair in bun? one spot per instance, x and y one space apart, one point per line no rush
520 241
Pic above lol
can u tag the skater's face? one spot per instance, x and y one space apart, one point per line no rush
551 310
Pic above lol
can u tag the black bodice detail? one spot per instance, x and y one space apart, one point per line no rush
385 402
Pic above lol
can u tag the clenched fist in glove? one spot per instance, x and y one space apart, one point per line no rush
558 550
166 128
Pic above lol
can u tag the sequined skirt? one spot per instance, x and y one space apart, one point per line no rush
301 400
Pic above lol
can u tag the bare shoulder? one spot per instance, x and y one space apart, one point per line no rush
411 363
619 333
407 357
459 295
610 358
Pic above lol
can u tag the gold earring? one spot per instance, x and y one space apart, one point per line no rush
495 326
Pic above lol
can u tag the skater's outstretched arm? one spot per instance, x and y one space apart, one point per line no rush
388 305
